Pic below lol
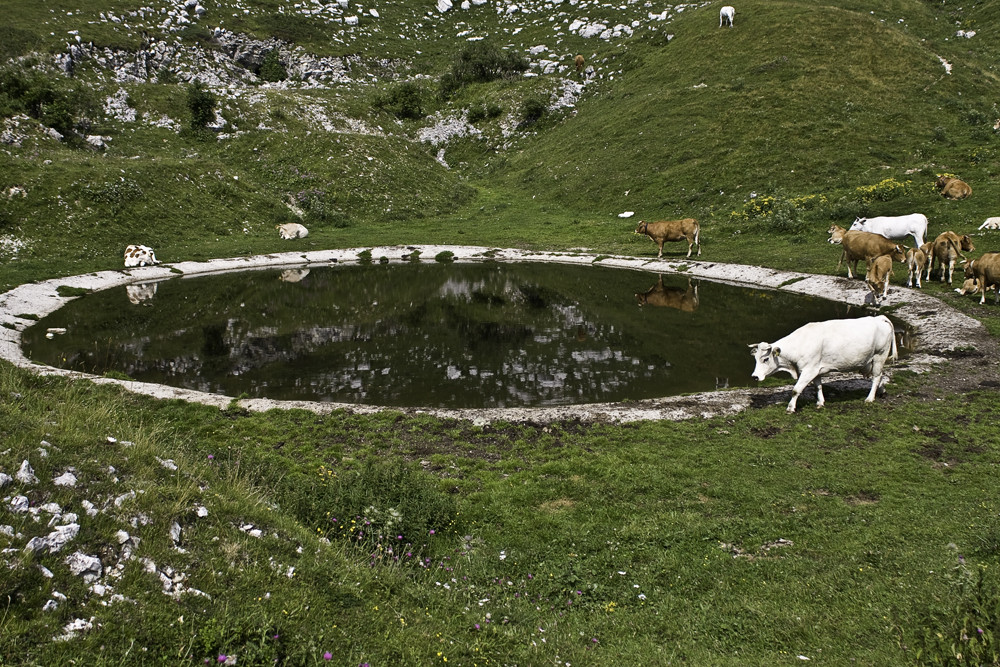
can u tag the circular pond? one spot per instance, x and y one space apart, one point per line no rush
428 334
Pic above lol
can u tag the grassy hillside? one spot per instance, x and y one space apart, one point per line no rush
860 534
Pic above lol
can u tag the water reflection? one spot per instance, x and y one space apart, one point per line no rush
670 297
427 334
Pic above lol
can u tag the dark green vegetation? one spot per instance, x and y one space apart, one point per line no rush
861 532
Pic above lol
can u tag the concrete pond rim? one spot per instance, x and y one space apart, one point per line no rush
938 328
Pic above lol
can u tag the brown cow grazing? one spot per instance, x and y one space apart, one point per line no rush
916 260
953 188
863 246
985 271
578 61
947 248
687 229
877 279
670 297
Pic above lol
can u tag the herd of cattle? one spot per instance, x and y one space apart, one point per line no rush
865 343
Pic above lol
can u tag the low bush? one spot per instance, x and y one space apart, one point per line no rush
481 62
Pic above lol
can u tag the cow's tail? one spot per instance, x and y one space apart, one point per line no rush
893 350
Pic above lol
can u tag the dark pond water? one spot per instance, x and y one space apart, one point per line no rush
428 334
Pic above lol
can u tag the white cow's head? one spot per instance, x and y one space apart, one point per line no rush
767 359
858 224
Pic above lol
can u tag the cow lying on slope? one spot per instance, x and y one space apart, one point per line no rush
953 188
139 255
865 246
687 229
818 348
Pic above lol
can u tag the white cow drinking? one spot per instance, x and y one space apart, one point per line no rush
895 227
818 348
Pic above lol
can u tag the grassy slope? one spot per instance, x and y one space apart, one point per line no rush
870 497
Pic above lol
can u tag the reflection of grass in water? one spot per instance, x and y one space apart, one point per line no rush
388 334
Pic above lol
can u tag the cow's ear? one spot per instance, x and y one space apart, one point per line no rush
776 352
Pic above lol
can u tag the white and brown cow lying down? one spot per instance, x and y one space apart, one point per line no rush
818 348
687 229
139 255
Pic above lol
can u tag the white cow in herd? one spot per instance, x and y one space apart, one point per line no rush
895 227
818 348
726 15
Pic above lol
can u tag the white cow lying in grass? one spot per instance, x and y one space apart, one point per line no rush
726 15
990 223
818 348
292 230
895 227
139 255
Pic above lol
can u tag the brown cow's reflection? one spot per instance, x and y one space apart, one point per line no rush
670 297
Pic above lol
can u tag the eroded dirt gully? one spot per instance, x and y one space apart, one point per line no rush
954 347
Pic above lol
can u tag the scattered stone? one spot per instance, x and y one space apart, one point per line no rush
89 507
167 463
55 540
65 479
26 475
19 504
74 628
5 479
89 567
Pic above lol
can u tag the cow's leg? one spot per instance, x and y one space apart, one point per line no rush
802 382
660 254
876 380
690 245
820 401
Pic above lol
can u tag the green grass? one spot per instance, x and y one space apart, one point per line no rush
749 540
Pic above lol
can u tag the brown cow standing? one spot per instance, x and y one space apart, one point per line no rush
687 229
947 248
953 188
986 271
670 297
863 246
578 61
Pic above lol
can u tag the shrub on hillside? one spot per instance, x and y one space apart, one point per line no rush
483 111
885 190
532 110
62 104
201 104
777 213
405 101
272 69
481 62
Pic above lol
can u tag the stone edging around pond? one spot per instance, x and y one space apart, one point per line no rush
939 328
